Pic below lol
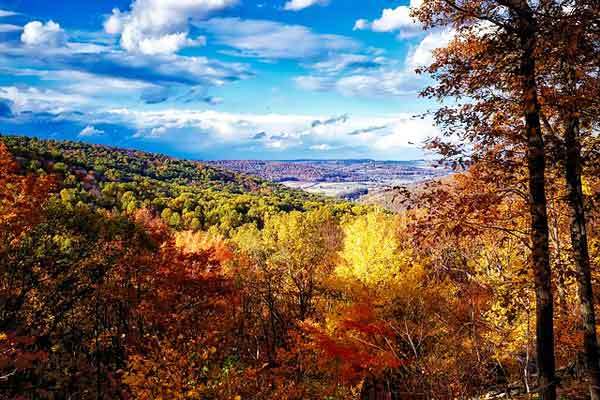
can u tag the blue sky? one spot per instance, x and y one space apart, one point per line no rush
219 79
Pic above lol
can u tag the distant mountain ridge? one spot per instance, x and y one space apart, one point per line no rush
344 170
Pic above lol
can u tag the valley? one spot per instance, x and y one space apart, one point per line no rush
344 179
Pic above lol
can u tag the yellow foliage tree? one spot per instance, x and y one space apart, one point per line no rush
373 255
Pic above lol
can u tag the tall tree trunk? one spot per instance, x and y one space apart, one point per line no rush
538 209
375 389
579 243
577 216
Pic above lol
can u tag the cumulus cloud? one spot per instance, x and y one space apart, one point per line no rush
160 26
422 54
394 20
113 25
37 33
90 131
165 44
224 127
88 64
192 130
405 133
297 5
274 40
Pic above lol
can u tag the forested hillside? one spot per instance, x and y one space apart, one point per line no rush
186 194
132 275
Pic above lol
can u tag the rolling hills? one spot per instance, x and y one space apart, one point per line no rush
187 194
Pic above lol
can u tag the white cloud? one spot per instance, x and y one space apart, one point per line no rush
228 127
321 147
361 76
379 83
121 68
192 130
6 13
274 40
296 5
10 28
372 75
158 132
213 101
90 131
35 100
404 133
277 144
314 83
36 33
422 55
200 69
97 86
394 20
86 82
114 23
160 26
166 44
361 24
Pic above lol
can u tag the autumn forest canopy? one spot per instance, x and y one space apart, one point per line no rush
133 275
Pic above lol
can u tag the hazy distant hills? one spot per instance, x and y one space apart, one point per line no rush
349 179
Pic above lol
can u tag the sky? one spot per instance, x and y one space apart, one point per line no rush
219 79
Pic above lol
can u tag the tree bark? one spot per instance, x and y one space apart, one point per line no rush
375 389
575 202
580 251
536 165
